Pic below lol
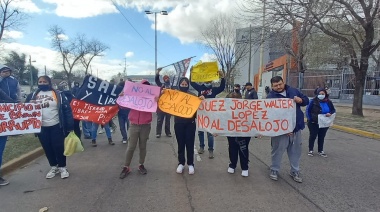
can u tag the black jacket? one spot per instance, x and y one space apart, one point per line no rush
66 120
251 94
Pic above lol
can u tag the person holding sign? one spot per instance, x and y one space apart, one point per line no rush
250 93
10 93
291 142
140 125
57 122
321 104
160 114
185 133
208 92
238 146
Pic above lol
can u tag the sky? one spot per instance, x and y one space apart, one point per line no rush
126 30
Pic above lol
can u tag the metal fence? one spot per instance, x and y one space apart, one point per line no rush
338 82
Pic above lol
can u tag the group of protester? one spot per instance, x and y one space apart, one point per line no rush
58 121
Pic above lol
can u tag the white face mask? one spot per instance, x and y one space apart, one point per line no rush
321 96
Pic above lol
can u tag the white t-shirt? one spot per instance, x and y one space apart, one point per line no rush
49 104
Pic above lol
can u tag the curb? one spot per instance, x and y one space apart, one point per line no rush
354 131
357 132
21 161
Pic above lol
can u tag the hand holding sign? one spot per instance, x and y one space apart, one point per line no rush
139 97
204 72
178 103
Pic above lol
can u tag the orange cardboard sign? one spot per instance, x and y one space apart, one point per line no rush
178 103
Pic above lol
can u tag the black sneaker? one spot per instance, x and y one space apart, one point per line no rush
110 142
322 154
126 170
310 153
273 175
94 143
142 169
3 182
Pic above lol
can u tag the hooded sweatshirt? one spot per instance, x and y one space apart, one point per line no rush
140 117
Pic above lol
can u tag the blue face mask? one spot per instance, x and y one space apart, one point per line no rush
321 97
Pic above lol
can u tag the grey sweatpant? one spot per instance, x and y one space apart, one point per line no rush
292 144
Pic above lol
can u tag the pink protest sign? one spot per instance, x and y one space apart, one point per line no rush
140 97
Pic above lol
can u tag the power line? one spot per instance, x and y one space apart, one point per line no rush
135 28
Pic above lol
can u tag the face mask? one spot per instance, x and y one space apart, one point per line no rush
321 97
183 89
44 87
237 90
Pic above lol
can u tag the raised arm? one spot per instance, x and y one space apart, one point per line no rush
157 77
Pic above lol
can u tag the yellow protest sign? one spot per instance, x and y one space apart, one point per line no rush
178 103
204 72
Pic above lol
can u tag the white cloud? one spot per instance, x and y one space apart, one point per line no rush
129 54
183 22
26 6
12 34
206 57
82 8
104 67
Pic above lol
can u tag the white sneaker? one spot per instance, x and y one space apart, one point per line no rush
180 169
101 131
111 130
230 170
53 171
124 141
191 170
64 172
244 173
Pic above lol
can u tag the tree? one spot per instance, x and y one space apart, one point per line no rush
94 48
18 63
71 51
220 37
10 17
352 23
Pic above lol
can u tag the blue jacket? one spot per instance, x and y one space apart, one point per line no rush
291 93
11 87
316 107
209 92
66 120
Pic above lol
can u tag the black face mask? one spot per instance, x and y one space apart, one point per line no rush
44 87
183 89
237 90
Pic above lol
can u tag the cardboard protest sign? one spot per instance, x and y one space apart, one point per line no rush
140 97
246 117
324 121
96 100
179 103
20 118
204 72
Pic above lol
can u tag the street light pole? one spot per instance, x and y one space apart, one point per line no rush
163 12
31 73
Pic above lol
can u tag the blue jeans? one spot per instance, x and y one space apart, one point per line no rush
210 139
3 141
86 128
94 131
123 119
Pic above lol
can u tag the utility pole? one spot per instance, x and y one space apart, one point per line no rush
250 53
125 68
31 73
45 71
262 45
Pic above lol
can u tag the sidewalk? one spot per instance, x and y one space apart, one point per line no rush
371 107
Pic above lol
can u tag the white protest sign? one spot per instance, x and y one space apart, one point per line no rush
20 118
324 121
246 117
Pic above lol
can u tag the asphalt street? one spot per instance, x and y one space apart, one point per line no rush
347 180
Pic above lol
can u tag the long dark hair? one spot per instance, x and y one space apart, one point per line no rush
47 78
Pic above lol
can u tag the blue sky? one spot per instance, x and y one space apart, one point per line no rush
177 32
